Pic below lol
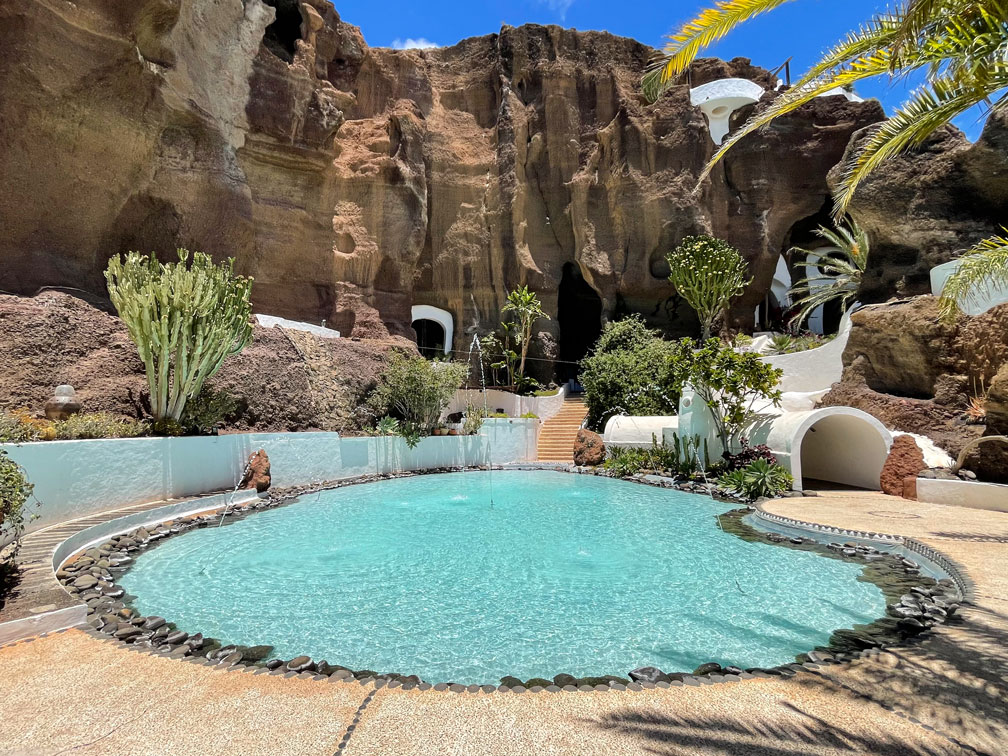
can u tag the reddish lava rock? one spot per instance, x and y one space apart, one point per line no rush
589 448
257 475
905 459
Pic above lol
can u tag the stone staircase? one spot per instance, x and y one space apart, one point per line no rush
556 439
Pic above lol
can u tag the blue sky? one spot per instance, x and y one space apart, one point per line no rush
801 30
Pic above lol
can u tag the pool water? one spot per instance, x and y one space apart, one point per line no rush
561 573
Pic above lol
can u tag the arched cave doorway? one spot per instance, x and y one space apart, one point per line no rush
579 315
435 329
429 337
847 447
802 235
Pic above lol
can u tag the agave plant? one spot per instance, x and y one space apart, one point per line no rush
961 46
833 276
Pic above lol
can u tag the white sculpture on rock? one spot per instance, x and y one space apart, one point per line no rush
719 99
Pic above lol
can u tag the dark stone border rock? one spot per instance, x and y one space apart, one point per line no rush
916 603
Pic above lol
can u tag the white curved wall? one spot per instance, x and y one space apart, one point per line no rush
993 296
627 430
442 317
814 370
719 99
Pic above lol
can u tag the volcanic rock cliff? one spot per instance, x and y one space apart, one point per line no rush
354 182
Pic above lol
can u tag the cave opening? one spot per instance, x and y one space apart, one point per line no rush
430 337
282 35
826 318
579 315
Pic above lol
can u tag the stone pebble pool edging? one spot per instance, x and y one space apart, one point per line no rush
89 575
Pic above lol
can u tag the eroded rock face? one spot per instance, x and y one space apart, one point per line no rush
927 207
916 373
283 381
355 182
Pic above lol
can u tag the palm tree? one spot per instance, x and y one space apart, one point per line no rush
836 275
527 309
960 45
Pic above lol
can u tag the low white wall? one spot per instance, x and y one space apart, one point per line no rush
813 370
514 405
638 430
76 478
963 493
271 321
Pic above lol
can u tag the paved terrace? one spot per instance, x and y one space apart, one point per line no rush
73 693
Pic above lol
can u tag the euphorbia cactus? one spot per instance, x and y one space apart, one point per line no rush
185 320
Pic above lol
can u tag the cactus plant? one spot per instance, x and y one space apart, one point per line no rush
185 321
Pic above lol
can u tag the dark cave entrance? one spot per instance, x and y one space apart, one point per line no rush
430 337
579 315
282 35
825 319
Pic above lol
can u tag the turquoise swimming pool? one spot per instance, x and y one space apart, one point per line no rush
431 575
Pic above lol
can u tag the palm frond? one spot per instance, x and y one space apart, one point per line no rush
931 106
983 267
711 25
834 276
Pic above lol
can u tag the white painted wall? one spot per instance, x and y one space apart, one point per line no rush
814 370
76 478
638 430
991 297
271 321
962 493
719 99
514 405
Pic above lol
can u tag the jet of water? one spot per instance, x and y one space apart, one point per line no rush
486 412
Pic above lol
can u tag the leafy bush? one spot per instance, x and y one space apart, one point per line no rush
747 455
732 384
20 427
185 321
15 495
99 425
474 416
682 458
206 412
416 391
789 343
757 479
529 416
707 273
632 370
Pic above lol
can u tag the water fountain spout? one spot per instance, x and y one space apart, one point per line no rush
234 492
476 345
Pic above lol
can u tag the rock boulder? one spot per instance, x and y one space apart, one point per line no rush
257 472
589 449
905 459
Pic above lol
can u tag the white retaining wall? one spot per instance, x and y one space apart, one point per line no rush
76 478
962 493
514 405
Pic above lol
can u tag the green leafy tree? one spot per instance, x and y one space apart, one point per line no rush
416 391
733 384
15 495
185 321
961 46
983 267
707 273
835 276
632 370
526 308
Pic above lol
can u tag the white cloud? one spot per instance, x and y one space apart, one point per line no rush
416 44
558 6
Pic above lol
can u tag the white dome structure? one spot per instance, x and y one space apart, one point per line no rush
719 99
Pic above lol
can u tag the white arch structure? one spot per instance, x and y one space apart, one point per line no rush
439 316
719 99
834 444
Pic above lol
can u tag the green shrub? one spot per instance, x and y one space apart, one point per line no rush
759 478
683 457
388 426
18 427
15 495
731 383
632 370
416 391
529 416
206 412
184 319
99 425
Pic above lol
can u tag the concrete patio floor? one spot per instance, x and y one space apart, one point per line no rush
73 693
